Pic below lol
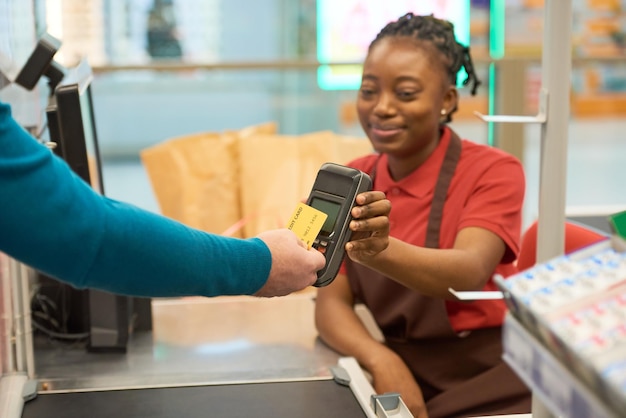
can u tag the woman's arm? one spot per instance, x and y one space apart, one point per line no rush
467 266
340 327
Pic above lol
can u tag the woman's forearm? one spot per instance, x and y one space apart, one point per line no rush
433 271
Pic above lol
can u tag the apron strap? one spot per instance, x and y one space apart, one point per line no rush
451 159
453 154
412 316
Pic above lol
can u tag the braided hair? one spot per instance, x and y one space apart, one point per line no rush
441 34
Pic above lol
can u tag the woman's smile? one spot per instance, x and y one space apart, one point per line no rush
380 132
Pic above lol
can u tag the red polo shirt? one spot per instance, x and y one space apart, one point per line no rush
486 191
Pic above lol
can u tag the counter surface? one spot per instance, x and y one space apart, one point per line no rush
199 341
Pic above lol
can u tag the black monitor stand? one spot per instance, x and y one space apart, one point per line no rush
103 321
112 318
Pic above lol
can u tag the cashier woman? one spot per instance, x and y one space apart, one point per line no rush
455 221
53 221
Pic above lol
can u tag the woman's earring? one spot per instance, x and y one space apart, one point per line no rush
443 112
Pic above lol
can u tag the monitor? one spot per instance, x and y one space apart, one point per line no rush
77 125
104 318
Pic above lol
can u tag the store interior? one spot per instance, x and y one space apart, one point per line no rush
211 79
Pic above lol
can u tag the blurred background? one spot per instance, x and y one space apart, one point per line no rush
166 68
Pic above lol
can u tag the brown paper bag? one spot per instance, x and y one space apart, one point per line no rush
266 128
314 149
278 171
349 148
318 148
236 229
242 182
269 181
194 179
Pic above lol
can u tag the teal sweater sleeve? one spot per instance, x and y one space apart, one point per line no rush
53 221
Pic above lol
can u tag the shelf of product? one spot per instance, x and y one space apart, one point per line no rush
558 388
566 331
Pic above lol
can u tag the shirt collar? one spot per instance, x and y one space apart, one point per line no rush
422 180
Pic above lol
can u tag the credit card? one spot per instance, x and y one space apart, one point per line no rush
306 222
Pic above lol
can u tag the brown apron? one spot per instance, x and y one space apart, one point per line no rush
460 375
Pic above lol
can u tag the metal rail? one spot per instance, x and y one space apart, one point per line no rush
177 65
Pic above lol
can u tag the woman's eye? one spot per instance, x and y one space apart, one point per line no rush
365 92
406 94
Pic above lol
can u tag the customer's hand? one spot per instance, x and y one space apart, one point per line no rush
293 266
370 226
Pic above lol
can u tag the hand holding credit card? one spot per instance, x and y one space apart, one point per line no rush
323 222
306 222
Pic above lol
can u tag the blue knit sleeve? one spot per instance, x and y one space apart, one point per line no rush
53 221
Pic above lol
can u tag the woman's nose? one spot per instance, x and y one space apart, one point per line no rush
384 105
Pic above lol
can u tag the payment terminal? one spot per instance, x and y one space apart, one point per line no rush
334 191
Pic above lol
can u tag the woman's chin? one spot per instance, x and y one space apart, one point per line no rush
383 146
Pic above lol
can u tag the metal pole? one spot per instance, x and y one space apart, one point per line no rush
22 328
556 75
510 99
7 362
29 346
18 330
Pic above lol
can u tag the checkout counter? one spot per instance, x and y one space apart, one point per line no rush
224 356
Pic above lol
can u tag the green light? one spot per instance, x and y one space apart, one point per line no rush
491 100
339 77
497 43
335 19
497 32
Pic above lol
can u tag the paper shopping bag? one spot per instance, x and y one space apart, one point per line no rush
269 181
348 148
278 171
194 179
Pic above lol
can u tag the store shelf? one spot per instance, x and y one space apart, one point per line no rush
561 391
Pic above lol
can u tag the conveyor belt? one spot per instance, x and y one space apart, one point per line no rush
301 399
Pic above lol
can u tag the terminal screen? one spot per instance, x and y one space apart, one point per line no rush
329 208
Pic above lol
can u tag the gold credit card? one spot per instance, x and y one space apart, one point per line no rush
306 222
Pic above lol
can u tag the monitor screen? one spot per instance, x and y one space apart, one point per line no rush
77 126
346 28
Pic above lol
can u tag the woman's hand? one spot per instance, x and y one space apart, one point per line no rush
370 226
394 376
